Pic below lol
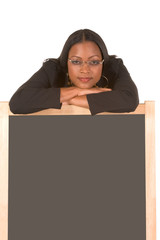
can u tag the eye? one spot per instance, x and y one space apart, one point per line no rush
94 62
76 62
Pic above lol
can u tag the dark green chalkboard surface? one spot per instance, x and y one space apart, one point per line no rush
77 177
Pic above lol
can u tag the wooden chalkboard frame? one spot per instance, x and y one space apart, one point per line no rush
148 109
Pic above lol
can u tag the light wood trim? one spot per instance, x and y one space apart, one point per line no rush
150 170
74 110
4 171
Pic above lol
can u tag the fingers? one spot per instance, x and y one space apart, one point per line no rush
93 90
65 103
106 89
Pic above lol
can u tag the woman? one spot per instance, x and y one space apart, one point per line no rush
84 75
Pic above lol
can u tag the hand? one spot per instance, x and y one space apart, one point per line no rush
80 101
82 92
68 93
65 103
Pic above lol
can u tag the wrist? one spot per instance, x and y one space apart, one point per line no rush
68 93
77 90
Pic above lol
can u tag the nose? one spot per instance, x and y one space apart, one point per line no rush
85 67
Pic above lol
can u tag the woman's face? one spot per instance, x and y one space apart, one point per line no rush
83 74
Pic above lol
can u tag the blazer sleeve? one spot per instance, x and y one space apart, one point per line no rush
38 93
122 98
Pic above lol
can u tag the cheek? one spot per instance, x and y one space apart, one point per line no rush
97 74
72 72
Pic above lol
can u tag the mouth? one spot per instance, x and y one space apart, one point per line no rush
84 79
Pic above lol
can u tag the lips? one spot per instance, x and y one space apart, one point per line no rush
84 79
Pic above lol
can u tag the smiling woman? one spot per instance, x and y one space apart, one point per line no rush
84 75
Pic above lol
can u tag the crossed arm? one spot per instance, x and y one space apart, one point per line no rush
77 96
40 92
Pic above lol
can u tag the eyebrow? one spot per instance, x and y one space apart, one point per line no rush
75 56
88 58
94 56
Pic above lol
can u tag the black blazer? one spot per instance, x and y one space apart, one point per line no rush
42 90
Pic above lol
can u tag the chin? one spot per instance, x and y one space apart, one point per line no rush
84 85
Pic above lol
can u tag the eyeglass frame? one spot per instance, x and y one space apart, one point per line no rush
82 62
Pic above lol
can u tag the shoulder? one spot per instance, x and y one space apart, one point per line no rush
52 64
114 65
54 71
51 60
115 62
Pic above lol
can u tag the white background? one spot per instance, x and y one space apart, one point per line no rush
33 30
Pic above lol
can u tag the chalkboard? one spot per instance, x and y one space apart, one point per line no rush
78 177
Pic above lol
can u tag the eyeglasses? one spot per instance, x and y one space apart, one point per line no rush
91 63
